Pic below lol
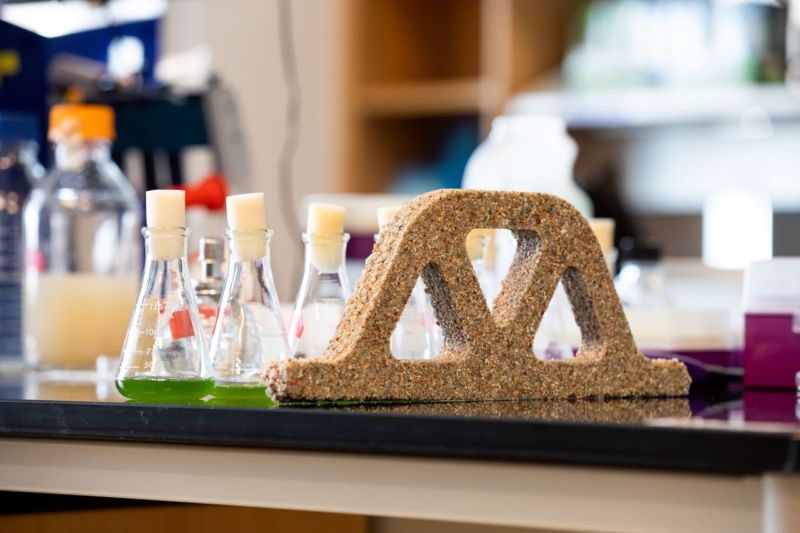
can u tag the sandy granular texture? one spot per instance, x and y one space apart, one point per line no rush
486 356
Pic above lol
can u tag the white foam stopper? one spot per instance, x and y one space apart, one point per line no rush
386 215
325 218
324 227
603 229
246 213
166 211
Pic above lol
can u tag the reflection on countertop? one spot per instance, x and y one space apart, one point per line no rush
612 410
723 405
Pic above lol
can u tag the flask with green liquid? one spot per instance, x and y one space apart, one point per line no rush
165 355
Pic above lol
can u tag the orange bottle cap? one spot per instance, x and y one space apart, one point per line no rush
87 121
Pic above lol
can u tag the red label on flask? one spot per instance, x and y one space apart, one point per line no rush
180 324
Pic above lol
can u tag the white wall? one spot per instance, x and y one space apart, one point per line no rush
242 36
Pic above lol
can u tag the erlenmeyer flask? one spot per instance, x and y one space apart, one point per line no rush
325 289
249 332
165 356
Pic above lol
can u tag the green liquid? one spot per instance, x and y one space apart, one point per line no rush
150 389
239 391
263 402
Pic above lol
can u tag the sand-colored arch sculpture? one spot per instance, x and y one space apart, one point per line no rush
485 356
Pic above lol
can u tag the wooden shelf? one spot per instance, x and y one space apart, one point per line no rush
424 98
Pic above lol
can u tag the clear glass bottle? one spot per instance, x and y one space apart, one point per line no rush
322 296
249 332
210 283
165 356
82 251
19 169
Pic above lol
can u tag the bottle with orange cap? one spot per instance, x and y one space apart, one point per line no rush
81 246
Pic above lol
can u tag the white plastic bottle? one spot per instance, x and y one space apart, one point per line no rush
528 153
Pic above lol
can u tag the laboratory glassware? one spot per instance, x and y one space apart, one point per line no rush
323 293
165 355
249 333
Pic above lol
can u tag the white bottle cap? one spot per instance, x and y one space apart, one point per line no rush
386 215
165 209
246 211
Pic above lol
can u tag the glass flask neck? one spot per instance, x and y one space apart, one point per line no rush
325 252
73 154
164 244
249 245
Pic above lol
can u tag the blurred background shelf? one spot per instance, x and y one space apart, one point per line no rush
652 106
423 98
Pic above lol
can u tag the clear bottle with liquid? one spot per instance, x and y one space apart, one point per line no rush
249 333
82 251
165 356
322 296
